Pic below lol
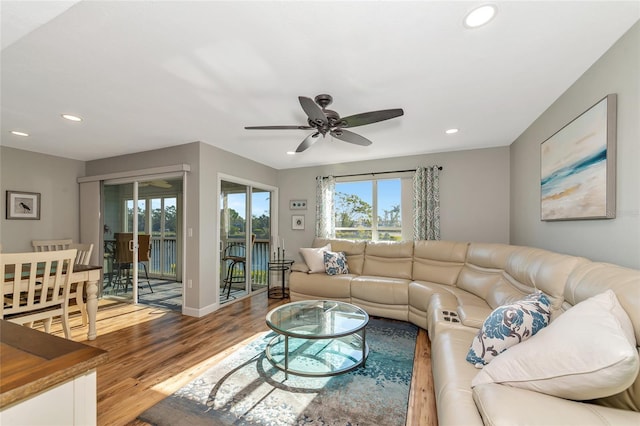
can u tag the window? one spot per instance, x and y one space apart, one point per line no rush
369 209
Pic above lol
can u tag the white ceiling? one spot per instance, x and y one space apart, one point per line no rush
147 75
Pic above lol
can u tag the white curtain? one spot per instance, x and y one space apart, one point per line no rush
426 203
325 219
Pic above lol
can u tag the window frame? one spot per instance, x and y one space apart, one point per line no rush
405 202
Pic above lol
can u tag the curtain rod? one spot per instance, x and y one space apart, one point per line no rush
375 173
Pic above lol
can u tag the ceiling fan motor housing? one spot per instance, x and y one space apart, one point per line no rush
323 100
328 121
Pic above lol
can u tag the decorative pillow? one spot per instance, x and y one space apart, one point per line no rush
588 352
335 263
509 325
314 258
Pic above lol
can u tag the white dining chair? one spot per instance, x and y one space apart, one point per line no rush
77 291
51 245
84 252
36 287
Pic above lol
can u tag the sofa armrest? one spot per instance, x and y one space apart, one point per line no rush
300 267
473 316
506 405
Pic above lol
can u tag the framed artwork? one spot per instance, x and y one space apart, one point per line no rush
297 221
23 205
578 167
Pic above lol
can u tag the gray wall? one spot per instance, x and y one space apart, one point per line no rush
616 240
55 179
474 194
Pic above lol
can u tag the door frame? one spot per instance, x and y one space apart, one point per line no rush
135 180
218 240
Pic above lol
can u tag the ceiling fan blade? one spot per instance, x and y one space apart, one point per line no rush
278 127
347 136
308 141
313 111
370 117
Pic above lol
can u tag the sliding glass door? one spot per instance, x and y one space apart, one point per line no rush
141 236
245 233
119 214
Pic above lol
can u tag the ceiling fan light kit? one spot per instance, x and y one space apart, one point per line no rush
480 16
325 121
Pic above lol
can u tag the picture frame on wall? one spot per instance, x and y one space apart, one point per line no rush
297 222
578 166
23 205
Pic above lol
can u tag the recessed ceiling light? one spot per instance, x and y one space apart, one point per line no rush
451 131
17 133
71 117
480 16
291 153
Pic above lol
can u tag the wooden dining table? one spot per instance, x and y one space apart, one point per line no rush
91 275
81 274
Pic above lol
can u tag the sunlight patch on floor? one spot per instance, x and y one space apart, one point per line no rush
174 383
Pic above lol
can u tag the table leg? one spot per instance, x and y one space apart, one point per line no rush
283 277
364 346
286 357
92 307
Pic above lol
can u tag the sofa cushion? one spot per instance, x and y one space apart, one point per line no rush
483 273
389 259
588 352
381 290
354 250
505 406
542 270
438 261
314 258
320 286
472 310
509 325
335 263
452 377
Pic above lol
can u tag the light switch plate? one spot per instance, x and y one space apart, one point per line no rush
297 204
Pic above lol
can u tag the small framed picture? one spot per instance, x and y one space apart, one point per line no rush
297 221
23 205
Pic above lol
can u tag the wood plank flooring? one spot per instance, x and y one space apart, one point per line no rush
153 352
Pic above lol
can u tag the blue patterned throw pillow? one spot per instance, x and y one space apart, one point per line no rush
335 263
509 325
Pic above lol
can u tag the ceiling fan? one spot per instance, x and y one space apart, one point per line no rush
158 183
324 121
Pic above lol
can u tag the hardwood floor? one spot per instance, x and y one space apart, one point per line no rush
153 352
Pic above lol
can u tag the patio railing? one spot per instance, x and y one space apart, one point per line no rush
164 258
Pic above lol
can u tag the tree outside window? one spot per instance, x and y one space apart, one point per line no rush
355 204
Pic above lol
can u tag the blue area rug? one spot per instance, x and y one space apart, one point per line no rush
245 389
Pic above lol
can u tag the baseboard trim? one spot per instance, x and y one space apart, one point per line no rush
200 312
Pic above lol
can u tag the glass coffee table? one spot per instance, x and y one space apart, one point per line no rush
317 338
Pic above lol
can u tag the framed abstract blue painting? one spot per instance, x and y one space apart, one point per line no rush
578 166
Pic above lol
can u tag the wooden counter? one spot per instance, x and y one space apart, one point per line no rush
32 362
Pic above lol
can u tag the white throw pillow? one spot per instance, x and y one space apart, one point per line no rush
314 258
588 352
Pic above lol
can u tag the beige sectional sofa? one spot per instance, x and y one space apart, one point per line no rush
449 289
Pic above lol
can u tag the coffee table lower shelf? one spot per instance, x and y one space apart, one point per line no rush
317 357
